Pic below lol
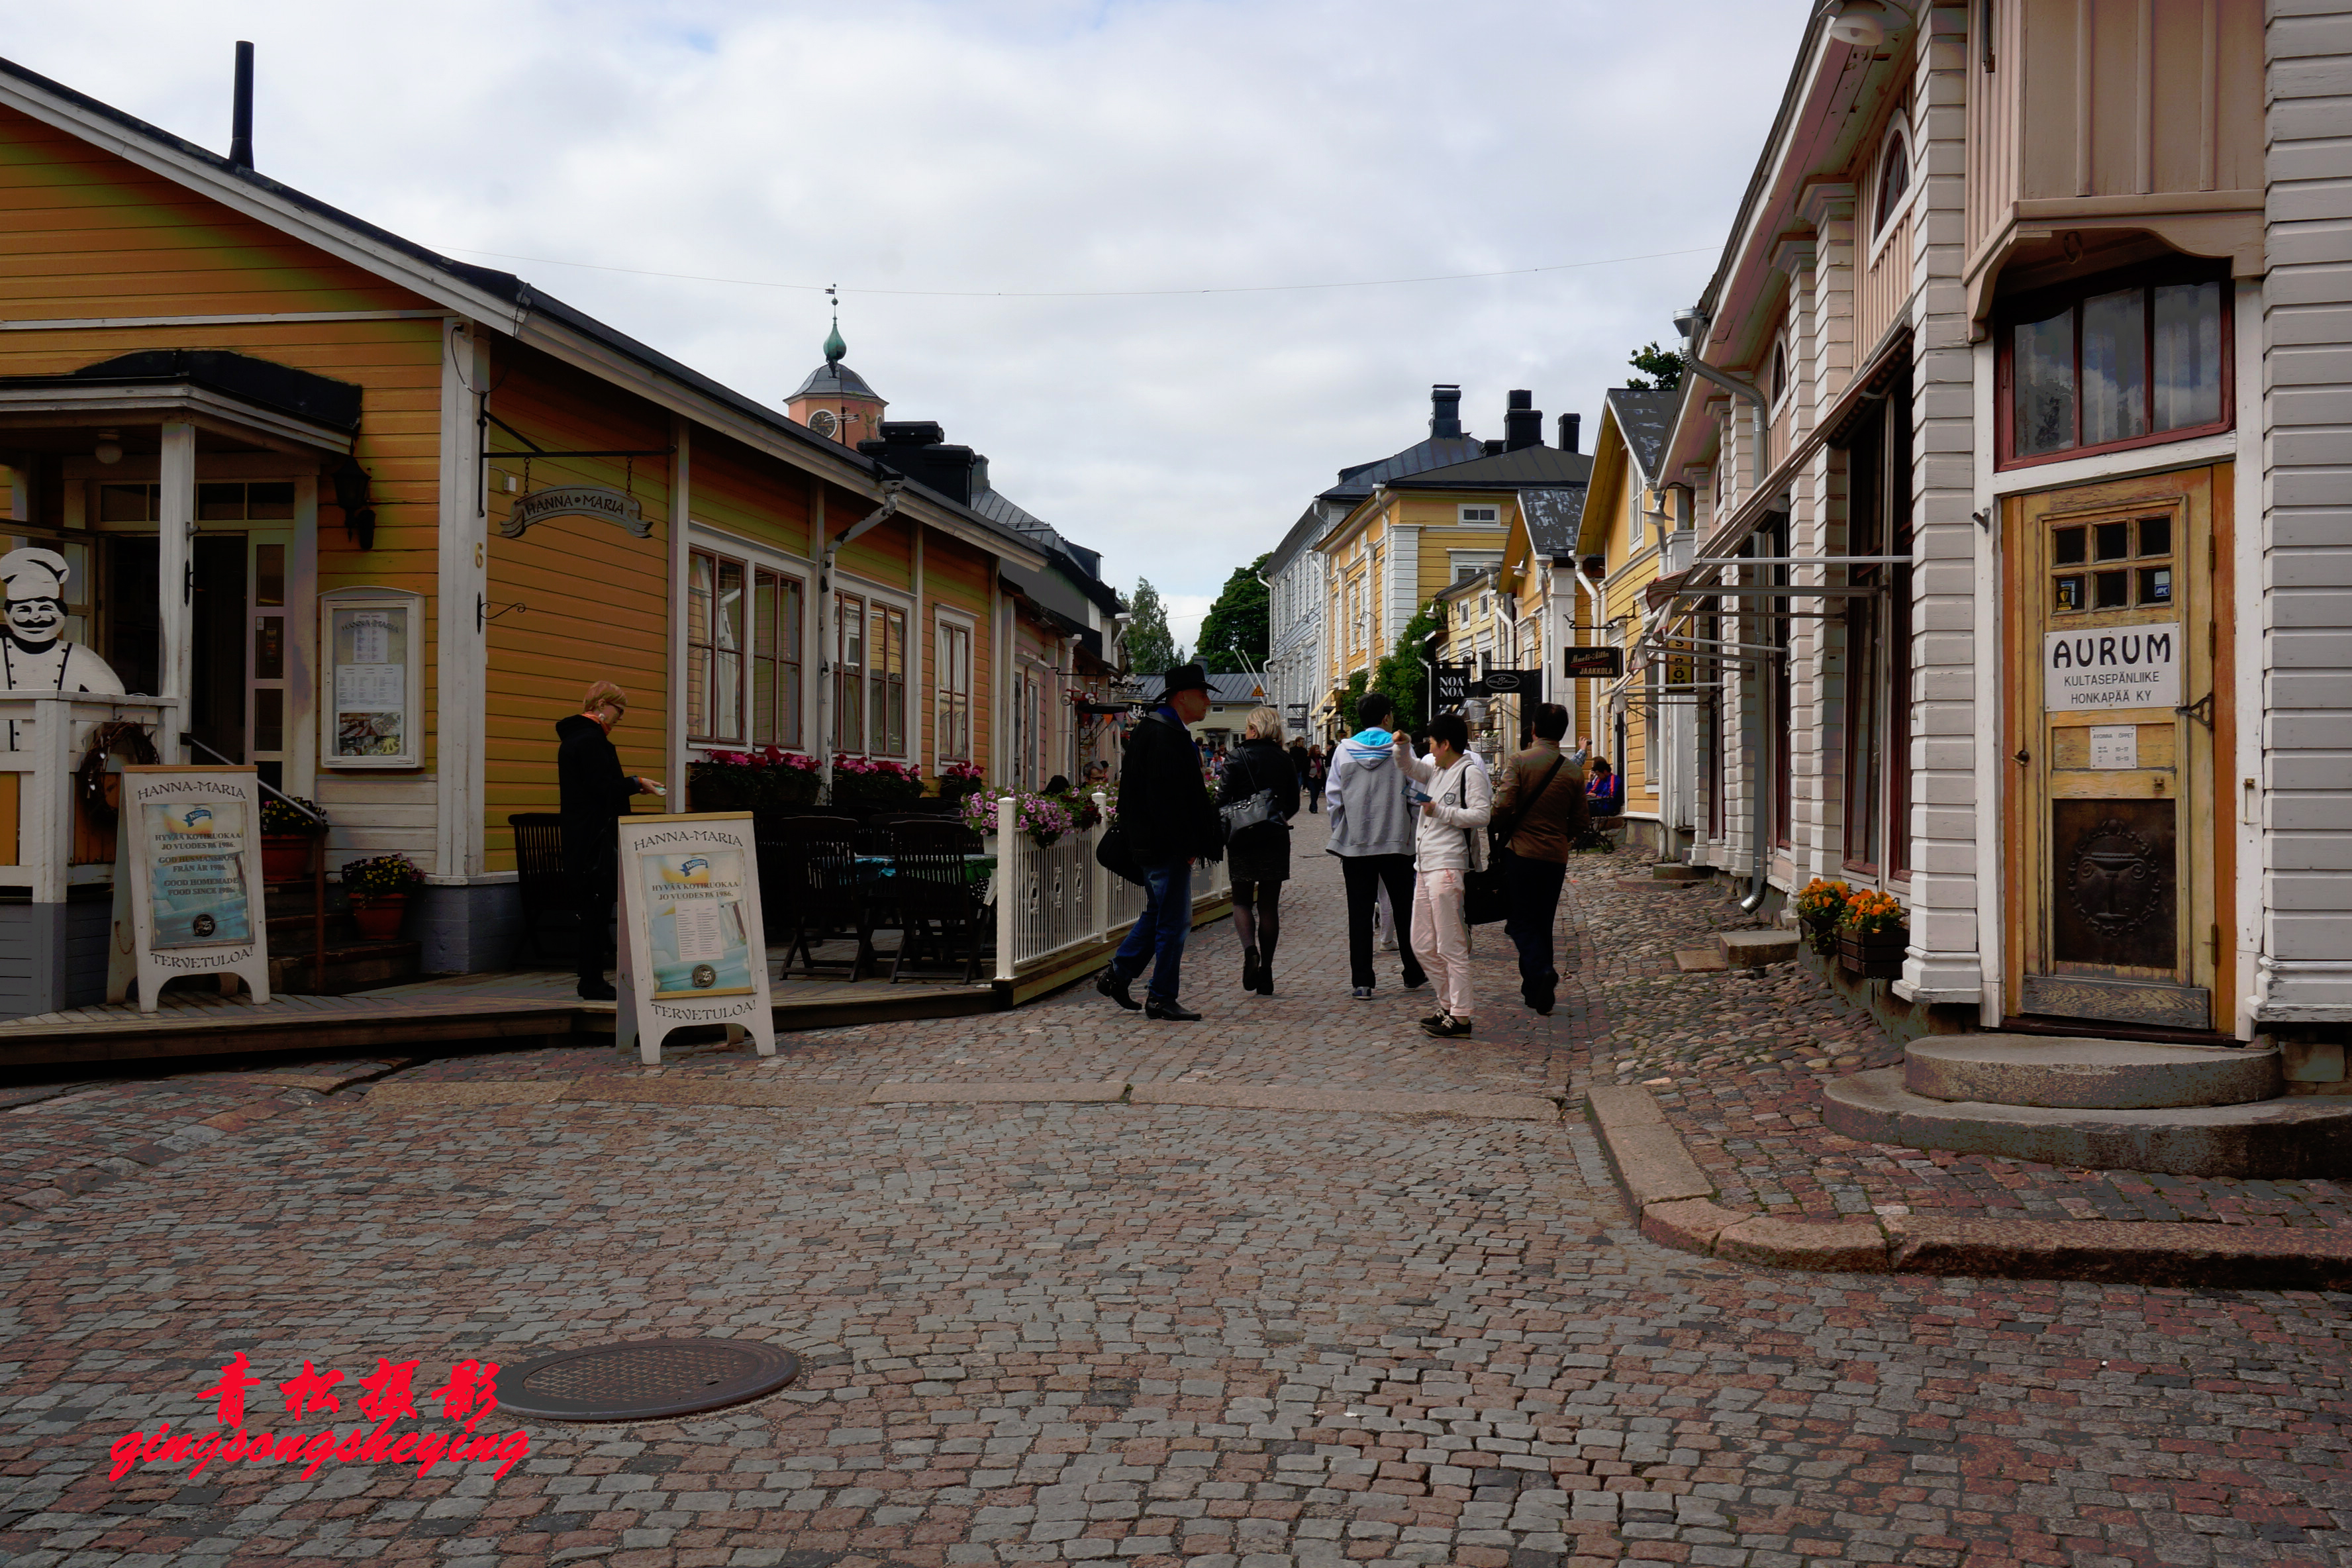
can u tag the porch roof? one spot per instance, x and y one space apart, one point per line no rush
228 394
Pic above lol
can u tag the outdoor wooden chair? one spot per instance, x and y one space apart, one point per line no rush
812 888
545 890
930 888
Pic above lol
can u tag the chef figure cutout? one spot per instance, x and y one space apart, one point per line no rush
33 654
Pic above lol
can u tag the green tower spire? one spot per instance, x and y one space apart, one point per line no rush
833 347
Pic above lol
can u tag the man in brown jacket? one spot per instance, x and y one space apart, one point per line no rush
1546 818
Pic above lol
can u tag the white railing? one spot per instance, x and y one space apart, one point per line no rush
1051 899
44 738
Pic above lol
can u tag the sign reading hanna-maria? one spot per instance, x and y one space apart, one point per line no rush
583 500
2114 667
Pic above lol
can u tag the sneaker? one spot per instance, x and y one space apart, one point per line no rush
1249 969
1435 1022
1170 1011
1109 983
1363 993
1445 1026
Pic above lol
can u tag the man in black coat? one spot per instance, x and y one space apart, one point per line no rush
1167 821
596 793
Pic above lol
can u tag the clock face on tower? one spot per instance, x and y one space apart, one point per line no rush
823 422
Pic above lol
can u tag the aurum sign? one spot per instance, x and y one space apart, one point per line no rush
576 500
2112 667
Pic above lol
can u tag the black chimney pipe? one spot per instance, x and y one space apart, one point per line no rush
1522 421
1569 424
1444 410
240 133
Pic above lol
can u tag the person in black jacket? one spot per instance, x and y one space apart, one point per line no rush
1165 819
1260 853
596 793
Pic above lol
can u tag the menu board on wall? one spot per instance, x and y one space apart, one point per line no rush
194 877
370 720
691 948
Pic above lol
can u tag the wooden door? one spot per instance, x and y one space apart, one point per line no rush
2117 874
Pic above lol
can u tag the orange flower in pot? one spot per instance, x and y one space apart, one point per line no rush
377 890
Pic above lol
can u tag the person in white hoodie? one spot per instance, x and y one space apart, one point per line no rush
1455 807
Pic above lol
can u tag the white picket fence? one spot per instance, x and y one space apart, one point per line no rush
1054 899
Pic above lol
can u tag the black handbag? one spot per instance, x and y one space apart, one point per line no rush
1112 854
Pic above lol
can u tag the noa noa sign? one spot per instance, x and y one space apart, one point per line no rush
2112 667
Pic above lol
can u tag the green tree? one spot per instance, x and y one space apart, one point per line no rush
1661 370
1150 648
1401 677
1237 631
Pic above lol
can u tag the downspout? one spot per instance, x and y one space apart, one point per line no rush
829 623
1750 730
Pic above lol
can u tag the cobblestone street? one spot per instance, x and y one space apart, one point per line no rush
1111 1330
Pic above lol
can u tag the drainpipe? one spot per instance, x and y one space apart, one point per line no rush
829 625
1750 728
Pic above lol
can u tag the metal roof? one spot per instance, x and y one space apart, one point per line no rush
1227 688
1303 532
1647 418
1553 516
833 379
1437 452
1504 472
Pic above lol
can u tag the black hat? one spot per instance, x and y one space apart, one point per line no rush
1184 678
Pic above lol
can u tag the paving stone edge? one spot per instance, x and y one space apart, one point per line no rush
1672 1193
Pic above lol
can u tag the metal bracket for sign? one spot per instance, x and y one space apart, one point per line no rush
532 449
484 614
2202 710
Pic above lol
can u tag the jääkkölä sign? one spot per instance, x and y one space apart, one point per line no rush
576 500
190 878
692 949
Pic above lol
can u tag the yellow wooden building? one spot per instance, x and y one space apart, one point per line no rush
371 519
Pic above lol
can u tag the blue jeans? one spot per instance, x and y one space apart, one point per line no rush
1160 931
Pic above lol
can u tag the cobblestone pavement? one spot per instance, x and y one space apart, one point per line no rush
1121 1332
1736 1059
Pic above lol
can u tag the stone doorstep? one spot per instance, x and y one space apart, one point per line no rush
1634 1131
1700 960
1755 949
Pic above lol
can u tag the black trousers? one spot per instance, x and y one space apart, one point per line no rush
1531 890
594 892
1365 876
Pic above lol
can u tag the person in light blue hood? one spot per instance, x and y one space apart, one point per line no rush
1373 832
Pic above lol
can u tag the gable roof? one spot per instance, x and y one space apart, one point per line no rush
1553 518
1437 452
1647 418
501 299
1504 471
1303 532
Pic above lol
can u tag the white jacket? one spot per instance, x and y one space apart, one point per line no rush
1453 836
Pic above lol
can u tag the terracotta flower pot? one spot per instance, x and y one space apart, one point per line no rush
285 856
379 918
1874 956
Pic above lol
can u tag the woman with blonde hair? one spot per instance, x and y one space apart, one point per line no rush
1259 792
594 796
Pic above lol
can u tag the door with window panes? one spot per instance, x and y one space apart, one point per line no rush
239 702
2117 886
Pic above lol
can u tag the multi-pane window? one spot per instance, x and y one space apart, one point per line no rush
2108 366
886 658
954 681
714 647
1878 642
777 610
849 675
2111 565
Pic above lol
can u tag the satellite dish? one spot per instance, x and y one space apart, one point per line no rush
823 422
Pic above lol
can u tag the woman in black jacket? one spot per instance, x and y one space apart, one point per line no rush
595 793
1259 855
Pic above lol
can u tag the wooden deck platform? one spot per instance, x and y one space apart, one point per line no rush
522 1007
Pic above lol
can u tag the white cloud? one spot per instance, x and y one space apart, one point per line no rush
1031 145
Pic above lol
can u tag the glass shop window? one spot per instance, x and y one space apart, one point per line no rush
2112 365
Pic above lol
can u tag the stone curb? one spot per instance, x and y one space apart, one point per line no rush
1676 1203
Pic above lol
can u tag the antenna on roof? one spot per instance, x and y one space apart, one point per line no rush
240 133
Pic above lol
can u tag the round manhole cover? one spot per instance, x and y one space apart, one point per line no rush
645 1379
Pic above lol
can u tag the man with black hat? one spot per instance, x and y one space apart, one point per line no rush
1167 821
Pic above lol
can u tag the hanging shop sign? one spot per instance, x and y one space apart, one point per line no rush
692 950
1592 663
194 880
1452 684
576 500
374 657
2112 667
1509 682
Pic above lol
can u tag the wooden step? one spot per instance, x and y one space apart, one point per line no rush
352 966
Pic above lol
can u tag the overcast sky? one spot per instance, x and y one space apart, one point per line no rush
1053 148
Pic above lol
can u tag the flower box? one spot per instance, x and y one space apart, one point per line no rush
285 856
1874 956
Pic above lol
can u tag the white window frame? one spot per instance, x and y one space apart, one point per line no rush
944 620
1897 136
1462 519
755 558
872 594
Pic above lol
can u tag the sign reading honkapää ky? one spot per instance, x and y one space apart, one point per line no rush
2112 667
691 946
192 877
576 500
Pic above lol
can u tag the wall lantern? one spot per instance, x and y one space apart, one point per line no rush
351 483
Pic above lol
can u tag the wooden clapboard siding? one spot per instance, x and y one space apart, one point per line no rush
86 232
749 495
597 596
958 577
378 814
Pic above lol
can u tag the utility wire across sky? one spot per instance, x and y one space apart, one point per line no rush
1087 293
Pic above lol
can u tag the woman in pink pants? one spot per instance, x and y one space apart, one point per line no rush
1451 842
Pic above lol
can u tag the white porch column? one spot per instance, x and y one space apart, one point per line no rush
681 501
462 653
175 528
